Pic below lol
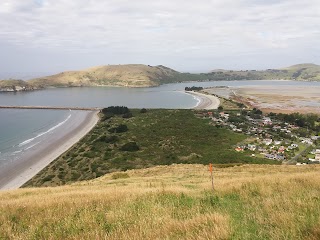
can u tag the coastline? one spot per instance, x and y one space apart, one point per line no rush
15 174
205 101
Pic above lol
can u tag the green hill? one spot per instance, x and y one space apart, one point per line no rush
157 137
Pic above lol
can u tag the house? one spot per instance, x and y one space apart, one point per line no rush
239 149
277 142
266 121
281 149
252 147
267 141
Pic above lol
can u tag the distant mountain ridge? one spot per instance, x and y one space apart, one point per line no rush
301 72
139 75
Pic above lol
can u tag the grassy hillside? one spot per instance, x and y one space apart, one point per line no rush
309 72
171 202
156 137
132 75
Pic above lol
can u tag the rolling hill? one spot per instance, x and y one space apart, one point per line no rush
301 72
132 75
139 75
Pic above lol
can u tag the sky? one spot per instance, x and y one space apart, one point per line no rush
50 36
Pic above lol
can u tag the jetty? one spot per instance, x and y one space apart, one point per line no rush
52 108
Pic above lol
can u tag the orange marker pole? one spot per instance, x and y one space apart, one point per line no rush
210 169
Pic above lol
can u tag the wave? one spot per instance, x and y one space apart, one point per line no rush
31 146
43 133
198 99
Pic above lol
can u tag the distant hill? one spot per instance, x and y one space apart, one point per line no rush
132 75
139 75
305 72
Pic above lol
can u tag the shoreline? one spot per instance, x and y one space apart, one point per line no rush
205 101
15 174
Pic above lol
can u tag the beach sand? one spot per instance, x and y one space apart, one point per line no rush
207 101
13 175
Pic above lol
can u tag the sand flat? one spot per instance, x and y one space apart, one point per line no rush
281 98
14 174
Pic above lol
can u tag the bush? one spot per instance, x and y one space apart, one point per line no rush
120 175
119 129
118 110
108 139
130 147
143 110
127 115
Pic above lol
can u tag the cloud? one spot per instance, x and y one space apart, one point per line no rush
161 28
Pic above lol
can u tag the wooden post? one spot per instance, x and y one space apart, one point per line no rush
210 169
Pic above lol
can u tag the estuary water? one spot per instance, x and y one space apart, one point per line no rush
21 130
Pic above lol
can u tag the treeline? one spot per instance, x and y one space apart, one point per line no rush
193 88
109 112
302 120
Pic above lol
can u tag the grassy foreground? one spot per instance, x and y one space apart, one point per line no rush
171 202
157 137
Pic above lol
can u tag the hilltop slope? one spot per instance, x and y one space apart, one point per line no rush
171 202
304 72
132 75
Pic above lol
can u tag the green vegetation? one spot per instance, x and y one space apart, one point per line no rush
193 88
154 137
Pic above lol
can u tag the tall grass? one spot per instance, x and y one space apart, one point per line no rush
171 202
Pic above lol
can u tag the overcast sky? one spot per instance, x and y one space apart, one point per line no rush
48 36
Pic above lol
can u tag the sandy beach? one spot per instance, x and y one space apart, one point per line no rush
14 174
206 101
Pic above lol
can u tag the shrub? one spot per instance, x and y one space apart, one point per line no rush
130 147
119 175
127 115
119 129
115 110
143 110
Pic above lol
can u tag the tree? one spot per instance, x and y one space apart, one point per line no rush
220 108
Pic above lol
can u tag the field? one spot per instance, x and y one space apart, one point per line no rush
157 137
171 202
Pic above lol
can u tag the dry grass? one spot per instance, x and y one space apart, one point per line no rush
171 202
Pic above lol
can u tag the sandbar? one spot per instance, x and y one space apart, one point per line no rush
14 174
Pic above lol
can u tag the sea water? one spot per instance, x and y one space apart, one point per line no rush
23 129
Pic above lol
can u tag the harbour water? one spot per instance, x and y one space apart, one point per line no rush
21 130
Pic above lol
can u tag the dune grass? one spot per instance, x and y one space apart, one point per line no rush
171 202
